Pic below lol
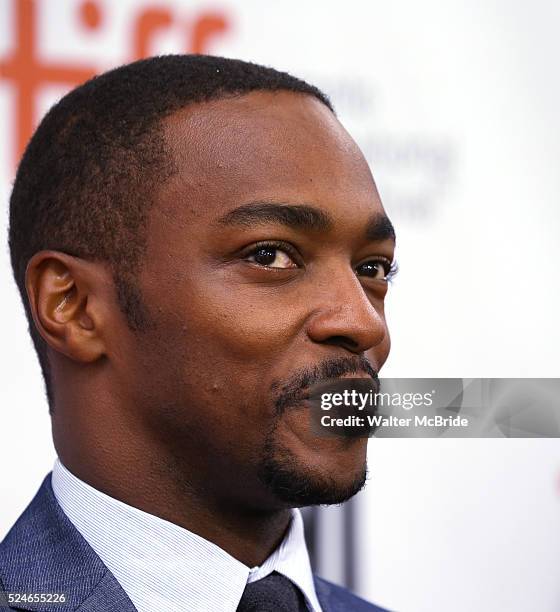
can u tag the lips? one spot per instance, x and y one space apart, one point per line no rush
338 384
357 375
299 388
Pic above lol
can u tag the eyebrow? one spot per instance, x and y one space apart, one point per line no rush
379 228
302 216
296 216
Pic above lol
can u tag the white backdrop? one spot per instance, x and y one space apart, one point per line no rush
455 104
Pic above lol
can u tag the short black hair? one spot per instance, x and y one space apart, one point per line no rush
88 174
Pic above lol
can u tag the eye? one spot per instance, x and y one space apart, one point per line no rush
378 269
271 256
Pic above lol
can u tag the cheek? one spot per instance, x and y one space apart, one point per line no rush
219 345
246 324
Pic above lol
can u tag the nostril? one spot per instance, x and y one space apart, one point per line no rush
343 341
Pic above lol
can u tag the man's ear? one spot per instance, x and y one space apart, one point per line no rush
66 298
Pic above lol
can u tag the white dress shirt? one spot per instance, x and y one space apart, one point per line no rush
162 566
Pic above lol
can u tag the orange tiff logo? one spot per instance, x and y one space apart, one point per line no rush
27 73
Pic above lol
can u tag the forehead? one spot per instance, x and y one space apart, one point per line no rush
261 146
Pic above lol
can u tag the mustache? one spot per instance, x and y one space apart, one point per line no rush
293 392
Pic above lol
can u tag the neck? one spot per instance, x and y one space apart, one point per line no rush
137 479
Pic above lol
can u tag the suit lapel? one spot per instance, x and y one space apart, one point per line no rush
108 596
323 590
45 553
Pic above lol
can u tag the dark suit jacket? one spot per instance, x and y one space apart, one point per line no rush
45 553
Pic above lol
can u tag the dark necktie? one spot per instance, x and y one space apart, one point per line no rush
275 593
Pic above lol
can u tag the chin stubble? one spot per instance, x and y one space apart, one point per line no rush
291 481
297 485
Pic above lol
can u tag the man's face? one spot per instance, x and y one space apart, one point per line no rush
264 271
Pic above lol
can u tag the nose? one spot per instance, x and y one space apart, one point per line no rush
346 316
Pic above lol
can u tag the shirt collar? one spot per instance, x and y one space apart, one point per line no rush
160 565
